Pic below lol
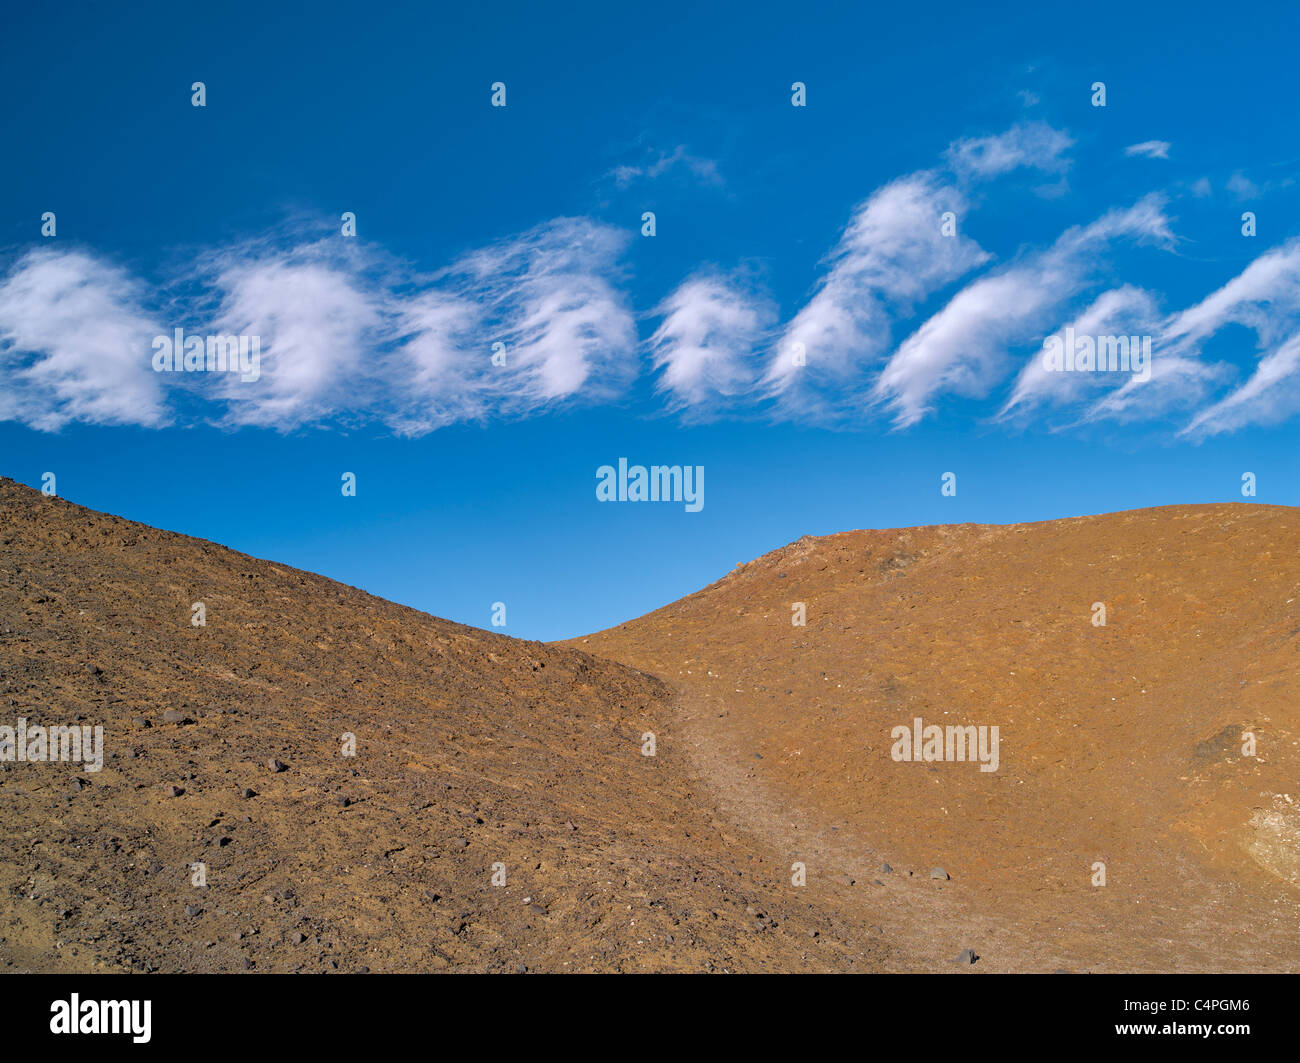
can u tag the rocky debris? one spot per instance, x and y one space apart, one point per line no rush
966 957
939 873
276 766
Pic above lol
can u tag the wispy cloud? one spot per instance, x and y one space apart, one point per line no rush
349 334
345 333
75 344
705 171
1122 311
1264 298
964 348
317 320
704 347
1149 149
551 296
892 254
1035 145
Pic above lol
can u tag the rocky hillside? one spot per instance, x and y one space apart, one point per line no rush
1142 669
230 830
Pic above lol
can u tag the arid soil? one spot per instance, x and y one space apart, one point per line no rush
1120 744
478 754
472 749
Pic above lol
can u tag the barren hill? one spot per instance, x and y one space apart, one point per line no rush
472 751
1124 744
1163 744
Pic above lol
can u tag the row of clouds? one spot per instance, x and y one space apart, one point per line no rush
350 335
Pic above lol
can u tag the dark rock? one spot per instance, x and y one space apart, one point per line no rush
277 766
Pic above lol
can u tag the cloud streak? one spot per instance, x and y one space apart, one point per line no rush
350 335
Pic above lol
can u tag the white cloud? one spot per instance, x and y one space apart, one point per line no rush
1263 295
75 344
1242 186
964 348
1149 149
703 170
1035 145
317 321
1122 311
1264 298
549 295
439 365
704 347
1271 395
892 254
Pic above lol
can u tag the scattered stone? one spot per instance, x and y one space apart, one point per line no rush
173 791
140 721
277 766
246 793
886 869
192 910
966 957
939 873
877 882
342 801
175 716
297 938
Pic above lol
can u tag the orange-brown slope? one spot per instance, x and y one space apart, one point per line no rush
1120 744
474 753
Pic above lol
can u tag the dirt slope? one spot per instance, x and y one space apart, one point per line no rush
1120 744
472 749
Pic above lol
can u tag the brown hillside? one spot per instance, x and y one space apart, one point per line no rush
1121 744
471 749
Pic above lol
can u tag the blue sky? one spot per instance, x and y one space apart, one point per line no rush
776 226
